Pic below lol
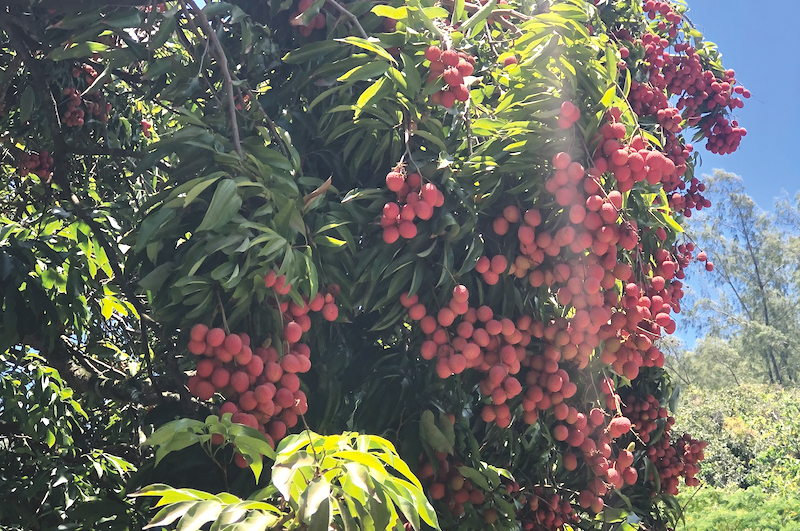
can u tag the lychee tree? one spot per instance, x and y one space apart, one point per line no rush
455 226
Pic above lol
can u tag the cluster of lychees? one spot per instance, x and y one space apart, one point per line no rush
568 115
40 164
318 22
544 509
676 460
702 97
414 200
447 484
262 391
453 66
644 412
460 337
260 385
79 108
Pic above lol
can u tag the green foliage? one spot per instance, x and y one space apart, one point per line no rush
61 462
753 433
182 433
350 481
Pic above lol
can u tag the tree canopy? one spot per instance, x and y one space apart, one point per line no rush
354 265
748 313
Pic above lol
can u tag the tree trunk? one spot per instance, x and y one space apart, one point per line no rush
770 353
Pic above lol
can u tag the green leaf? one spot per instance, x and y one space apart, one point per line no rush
26 104
371 46
126 19
397 13
474 476
364 72
156 278
372 93
192 194
224 205
312 498
198 515
83 49
611 64
310 51
411 74
479 16
169 514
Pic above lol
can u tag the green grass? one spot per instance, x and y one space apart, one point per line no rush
739 510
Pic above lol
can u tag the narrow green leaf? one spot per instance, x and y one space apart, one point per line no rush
198 515
310 51
367 71
371 46
479 16
26 104
372 93
169 514
83 49
224 205
192 194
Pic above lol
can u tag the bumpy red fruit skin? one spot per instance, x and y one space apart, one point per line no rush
460 92
292 332
619 426
330 312
450 58
233 344
215 337
197 347
198 332
395 181
448 99
433 53
509 61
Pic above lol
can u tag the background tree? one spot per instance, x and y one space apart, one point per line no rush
460 223
753 304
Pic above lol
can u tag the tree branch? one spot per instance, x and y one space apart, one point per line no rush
222 59
343 10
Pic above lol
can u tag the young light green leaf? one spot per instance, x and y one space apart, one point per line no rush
371 46
364 72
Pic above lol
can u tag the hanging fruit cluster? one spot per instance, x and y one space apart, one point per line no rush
414 200
318 22
40 164
453 66
261 385
79 108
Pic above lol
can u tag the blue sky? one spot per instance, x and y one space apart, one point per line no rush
758 39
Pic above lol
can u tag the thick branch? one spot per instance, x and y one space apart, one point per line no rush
85 380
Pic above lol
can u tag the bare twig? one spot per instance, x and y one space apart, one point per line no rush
222 59
273 131
343 10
